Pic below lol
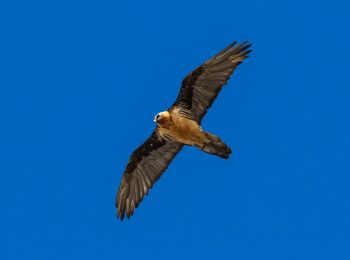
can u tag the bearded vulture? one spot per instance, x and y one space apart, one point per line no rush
178 126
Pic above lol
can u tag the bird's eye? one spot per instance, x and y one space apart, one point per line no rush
157 116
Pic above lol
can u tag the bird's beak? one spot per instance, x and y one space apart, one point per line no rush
154 120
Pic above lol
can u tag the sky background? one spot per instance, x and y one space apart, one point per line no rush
80 83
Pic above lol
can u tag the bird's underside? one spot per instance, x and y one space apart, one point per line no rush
172 125
178 126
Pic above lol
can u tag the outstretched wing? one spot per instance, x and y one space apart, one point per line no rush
145 166
200 88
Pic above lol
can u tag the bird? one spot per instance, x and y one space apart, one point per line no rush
178 126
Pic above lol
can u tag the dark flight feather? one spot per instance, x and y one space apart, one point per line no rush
200 88
145 166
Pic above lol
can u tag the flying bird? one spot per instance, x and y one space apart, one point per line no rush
178 126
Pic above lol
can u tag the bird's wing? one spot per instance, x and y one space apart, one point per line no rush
200 88
145 166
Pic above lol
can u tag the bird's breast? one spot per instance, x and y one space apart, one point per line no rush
184 130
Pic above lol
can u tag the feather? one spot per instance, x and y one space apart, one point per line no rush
200 88
145 166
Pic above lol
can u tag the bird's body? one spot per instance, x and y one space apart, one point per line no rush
178 126
182 129
174 125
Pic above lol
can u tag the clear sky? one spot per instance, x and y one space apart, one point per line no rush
80 83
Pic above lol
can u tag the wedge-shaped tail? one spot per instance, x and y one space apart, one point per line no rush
217 147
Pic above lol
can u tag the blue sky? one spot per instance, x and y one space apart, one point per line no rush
80 83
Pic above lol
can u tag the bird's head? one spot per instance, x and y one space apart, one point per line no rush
162 119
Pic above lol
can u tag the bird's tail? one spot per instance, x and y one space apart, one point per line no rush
216 146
